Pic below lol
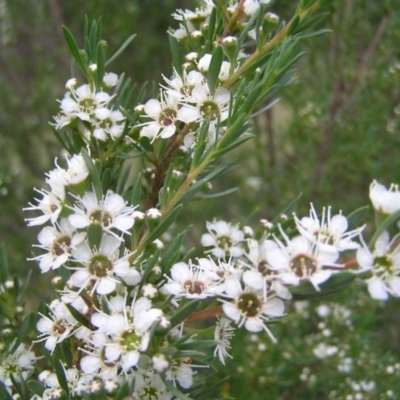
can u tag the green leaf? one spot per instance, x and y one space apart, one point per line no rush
204 394
28 325
215 68
219 194
313 34
82 319
94 235
176 55
358 217
73 46
36 387
336 283
173 249
20 386
4 395
390 220
151 262
201 143
186 311
94 174
60 372
124 391
100 61
165 223
121 49
137 191
198 345
3 262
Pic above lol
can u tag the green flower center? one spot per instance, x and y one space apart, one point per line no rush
129 340
88 105
383 265
209 109
303 266
167 117
249 304
149 393
99 266
224 242
102 217
61 245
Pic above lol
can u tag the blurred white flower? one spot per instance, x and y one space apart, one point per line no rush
384 265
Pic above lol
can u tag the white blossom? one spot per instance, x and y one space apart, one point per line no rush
223 239
111 212
384 265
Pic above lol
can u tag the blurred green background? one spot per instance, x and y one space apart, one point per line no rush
332 132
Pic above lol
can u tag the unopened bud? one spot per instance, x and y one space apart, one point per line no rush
230 47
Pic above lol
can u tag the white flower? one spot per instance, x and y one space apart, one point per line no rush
111 213
384 201
223 334
181 88
384 265
301 260
249 307
261 276
153 213
125 335
102 267
109 122
323 351
223 238
211 106
58 243
19 362
76 173
50 205
110 79
83 102
188 281
329 232
164 113
57 327
160 362
149 386
182 372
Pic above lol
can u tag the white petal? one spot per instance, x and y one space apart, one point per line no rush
112 352
364 258
253 325
44 325
79 220
130 360
377 289
90 364
338 224
274 307
180 272
105 286
254 279
153 108
168 131
231 311
232 286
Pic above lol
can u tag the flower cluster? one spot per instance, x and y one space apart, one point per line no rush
91 106
126 290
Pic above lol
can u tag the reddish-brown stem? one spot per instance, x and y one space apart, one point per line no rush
205 314
162 165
